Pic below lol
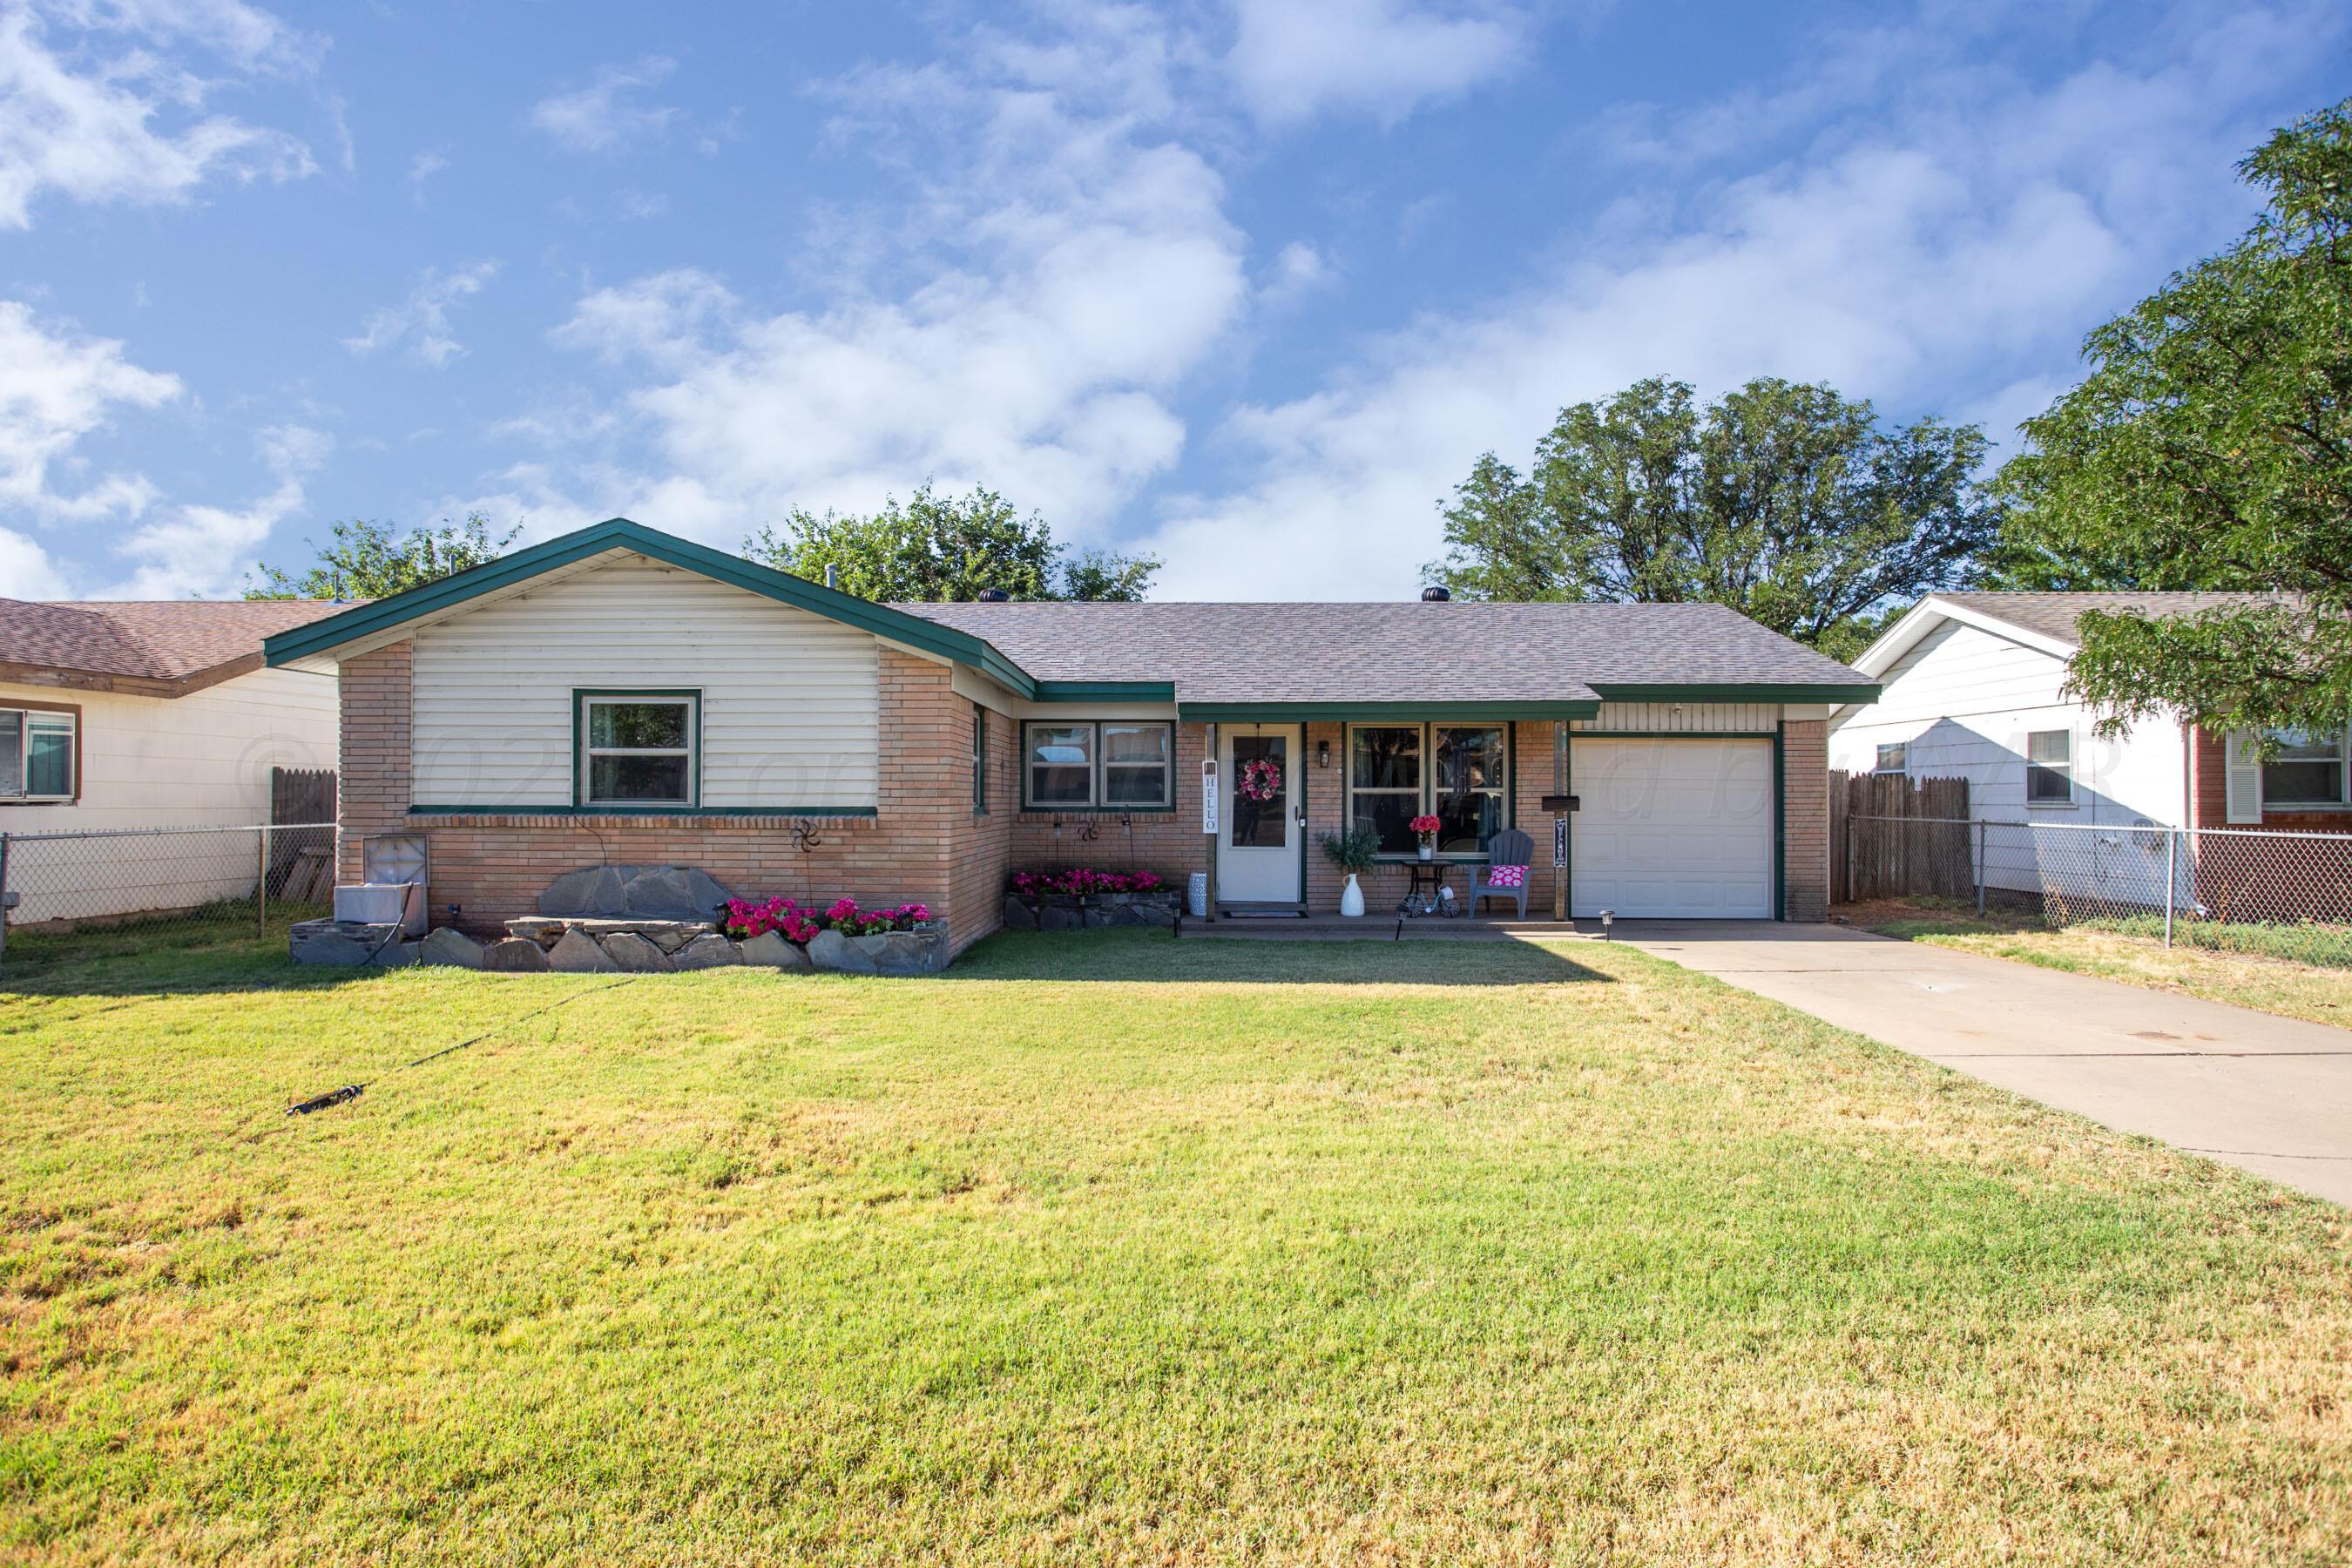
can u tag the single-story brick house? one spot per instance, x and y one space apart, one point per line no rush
621 696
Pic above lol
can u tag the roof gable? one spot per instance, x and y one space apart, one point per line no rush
620 534
152 647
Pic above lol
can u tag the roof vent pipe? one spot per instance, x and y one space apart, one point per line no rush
994 596
833 576
1434 594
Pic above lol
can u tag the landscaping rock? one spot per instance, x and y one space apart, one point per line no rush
1100 915
540 930
1154 913
831 950
450 946
348 943
634 892
576 953
597 890
671 936
770 950
1019 916
634 953
708 952
1060 917
514 955
903 953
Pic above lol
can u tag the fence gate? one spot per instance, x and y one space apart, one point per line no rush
1891 837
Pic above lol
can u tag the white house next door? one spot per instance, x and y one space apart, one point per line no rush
1263 837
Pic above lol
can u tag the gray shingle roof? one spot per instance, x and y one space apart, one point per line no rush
1390 652
2053 615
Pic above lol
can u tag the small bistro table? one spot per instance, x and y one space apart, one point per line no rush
1425 876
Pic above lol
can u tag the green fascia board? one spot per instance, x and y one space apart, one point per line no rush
620 533
1367 712
564 811
1105 691
1732 691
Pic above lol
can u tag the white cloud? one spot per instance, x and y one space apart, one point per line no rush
1958 231
600 116
1298 270
422 321
1061 269
56 387
25 572
205 551
98 116
1293 59
423 167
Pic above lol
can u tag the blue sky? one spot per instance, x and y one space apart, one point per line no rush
1248 284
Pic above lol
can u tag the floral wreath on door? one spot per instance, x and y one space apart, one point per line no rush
1260 780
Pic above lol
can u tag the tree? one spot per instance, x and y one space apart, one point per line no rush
368 561
2211 447
1785 501
944 547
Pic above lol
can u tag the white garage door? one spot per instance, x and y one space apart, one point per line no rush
1672 828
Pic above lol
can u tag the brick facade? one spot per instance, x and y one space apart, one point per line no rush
1805 819
2208 793
925 844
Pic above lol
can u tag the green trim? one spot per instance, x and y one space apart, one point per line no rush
564 811
1677 734
1378 713
1567 784
1780 833
1105 691
620 533
580 695
1098 811
1734 691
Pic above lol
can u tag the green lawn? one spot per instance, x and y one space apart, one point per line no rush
2248 966
1108 1249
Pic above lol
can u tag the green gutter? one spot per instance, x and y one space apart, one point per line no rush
1732 691
1105 691
1365 712
620 533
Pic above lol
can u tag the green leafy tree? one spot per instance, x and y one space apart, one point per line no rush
369 561
1785 501
938 547
2210 448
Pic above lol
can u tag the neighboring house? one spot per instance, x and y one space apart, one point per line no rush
1973 685
148 715
620 696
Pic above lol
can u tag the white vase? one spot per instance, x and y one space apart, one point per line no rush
1351 900
1426 851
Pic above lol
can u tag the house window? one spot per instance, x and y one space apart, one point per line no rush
979 758
1455 773
1107 764
2050 767
37 754
2306 769
639 748
1894 757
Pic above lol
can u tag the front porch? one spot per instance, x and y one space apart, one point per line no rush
1378 926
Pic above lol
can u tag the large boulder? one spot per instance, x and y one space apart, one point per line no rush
542 930
634 953
514 955
770 951
448 945
907 951
707 952
576 953
634 892
831 950
1018 915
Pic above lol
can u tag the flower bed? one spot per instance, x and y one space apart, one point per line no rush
743 918
1069 898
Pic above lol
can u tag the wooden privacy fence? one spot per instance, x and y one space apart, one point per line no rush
302 862
1891 837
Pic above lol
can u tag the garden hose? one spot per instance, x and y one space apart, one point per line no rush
352 1091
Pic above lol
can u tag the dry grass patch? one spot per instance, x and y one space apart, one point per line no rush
1110 1248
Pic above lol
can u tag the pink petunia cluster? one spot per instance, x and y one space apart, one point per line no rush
746 918
1083 881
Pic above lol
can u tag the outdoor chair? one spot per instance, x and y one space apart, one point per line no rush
1508 855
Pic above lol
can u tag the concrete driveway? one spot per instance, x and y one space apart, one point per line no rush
2268 1094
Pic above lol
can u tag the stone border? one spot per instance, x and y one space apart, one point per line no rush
638 947
1063 912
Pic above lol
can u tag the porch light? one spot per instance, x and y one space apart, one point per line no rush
1322 753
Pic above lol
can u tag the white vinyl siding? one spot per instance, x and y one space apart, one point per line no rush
1685 718
791 700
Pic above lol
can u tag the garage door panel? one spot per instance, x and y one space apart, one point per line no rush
1679 828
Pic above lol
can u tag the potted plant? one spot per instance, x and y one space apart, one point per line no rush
1352 851
1424 828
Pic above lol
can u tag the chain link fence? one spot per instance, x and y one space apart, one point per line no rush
2273 894
61 892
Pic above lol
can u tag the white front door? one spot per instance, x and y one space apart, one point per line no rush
1264 834
1672 828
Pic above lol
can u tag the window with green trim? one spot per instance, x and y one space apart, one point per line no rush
1105 765
639 748
1455 773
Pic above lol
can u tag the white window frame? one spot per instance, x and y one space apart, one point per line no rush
1427 787
17 791
2064 770
1098 767
1902 763
2343 778
585 701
